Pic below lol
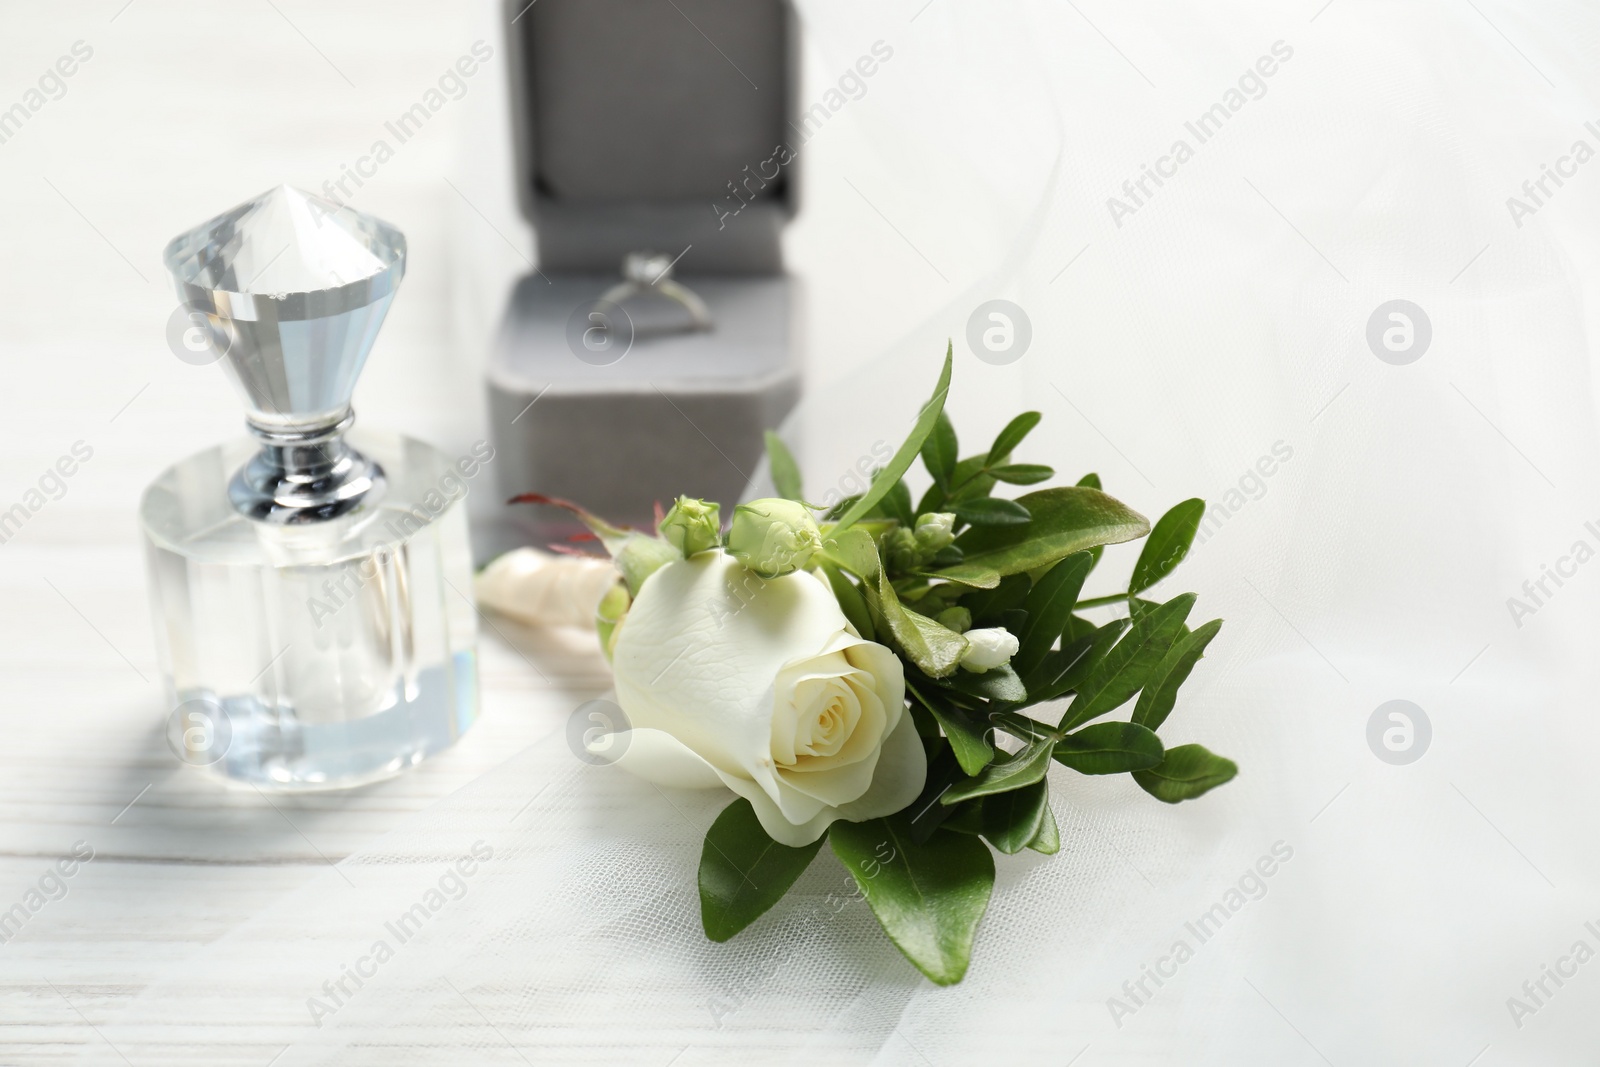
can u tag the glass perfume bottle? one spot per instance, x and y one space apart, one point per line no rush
311 587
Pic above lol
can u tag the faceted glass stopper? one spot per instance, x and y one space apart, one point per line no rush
296 288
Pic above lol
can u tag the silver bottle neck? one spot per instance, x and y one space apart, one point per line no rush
305 475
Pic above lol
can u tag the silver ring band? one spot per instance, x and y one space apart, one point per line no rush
647 272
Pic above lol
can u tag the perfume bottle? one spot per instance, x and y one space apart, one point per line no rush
311 585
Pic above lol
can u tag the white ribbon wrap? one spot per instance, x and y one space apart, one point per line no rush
545 589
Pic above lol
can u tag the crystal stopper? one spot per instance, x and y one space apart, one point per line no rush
294 288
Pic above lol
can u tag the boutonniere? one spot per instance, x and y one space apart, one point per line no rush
895 679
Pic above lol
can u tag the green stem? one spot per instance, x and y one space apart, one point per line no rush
945 695
1104 601
955 489
1020 726
958 486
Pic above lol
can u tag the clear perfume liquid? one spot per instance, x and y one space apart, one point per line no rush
322 655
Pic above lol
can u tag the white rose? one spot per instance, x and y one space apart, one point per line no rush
988 648
761 685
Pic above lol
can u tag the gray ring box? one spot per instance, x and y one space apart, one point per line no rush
647 125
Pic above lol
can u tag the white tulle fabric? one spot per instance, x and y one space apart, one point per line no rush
1220 325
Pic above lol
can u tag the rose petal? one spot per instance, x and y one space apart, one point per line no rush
834 785
882 664
808 679
827 712
732 672
867 730
703 642
657 756
773 821
901 774
796 806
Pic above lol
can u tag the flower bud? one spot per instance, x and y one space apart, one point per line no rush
955 618
934 532
608 615
692 526
900 550
638 556
773 537
988 648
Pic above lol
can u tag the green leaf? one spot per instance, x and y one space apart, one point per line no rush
936 650
1011 820
1048 840
833 513
743 872
970 481
1092 481
1160 693
1109 748
887 478
1022 473
974 579
851 602
964 818
1188 772
1011 437
1077 627
1066 519
1134 661
932 500
992 511
926 815
1012 592
939 451
1049 606
853 550
927 726
1065 669
928 897
896 505
997 683
1013 772
1025 729
785 471
1168 544
1012 621
969 742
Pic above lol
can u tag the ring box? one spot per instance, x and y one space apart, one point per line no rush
647 126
